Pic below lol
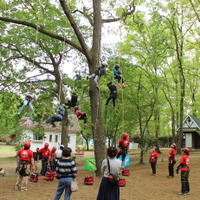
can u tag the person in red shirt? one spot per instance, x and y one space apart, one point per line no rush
45 153
184 167
172 161
153 160
25 165
123 145
81 116
52 159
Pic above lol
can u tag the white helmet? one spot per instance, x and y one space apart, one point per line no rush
104 64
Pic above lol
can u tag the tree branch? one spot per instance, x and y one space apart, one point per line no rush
41 30
76 29
193 7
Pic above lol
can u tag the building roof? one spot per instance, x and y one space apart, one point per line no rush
190 123
73 126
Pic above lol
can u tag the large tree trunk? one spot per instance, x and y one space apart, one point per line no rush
97 123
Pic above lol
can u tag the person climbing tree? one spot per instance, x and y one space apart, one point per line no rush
97 74
73 101
81 116
123 145
29 98
113 94
118 76
58 117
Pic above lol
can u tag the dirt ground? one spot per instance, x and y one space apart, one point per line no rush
140 185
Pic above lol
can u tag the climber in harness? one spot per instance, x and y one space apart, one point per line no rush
25 165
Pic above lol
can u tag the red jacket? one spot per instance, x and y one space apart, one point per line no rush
25 154
185 160
153 156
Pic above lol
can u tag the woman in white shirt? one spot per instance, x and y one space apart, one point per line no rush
107 190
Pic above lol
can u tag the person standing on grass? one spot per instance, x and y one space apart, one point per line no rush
25 165
153 160
172 161
45 153
185 170
66 173
107 190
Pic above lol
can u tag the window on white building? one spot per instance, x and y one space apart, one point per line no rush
50 138
56 138
36 137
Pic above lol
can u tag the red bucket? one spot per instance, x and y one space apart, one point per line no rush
88 180
125 172
122 182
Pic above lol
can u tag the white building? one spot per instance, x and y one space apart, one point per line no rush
52 135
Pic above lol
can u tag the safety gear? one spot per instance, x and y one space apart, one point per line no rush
124 135
174 144
54 148
186 151
104 64
46 145
27 144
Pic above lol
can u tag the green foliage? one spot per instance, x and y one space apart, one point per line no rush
147 139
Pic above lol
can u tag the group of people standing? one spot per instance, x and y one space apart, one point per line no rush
64 165
183 166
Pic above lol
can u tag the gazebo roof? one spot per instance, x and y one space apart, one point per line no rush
190 123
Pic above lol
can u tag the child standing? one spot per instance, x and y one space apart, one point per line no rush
29 98
66 173
97 74
113 93
153 160
172 161
118 76
184 167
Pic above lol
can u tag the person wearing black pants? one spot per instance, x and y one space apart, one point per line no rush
184 167
172 161
123 145
153 160
113 93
